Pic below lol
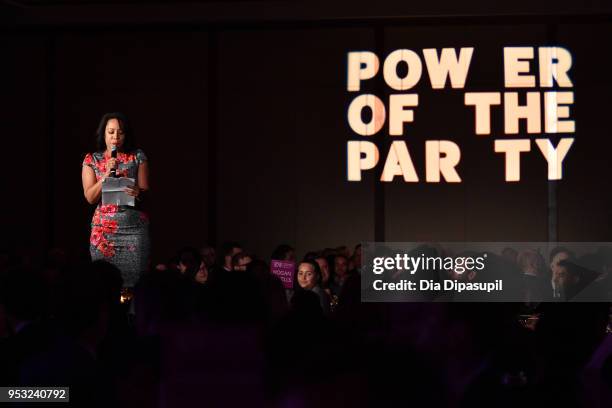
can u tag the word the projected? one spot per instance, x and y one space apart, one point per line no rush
545 111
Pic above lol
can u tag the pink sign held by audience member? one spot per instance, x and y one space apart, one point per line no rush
284 270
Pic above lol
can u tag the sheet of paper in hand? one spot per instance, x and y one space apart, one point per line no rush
113 191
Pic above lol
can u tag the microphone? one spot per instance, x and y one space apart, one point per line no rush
113 172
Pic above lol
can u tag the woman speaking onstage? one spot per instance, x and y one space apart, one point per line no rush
119 234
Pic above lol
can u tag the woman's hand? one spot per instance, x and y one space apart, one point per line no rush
133 191
110 164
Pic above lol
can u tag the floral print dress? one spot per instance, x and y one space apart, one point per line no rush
120 234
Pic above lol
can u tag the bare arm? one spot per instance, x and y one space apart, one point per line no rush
143 176
92 188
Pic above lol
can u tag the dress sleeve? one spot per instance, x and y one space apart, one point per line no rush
141 156
88 161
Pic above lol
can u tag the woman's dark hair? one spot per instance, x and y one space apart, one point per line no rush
317 271
281 252
125 126
312 256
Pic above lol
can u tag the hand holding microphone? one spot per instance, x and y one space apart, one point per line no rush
113 162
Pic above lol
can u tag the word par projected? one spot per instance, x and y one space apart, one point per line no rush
545 111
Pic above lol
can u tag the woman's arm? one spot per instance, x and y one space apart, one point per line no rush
92 188
143 176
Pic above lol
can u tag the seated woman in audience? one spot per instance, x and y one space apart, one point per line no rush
201 275
308 277
326 283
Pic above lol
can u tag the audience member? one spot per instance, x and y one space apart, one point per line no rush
283 252
533 266
209 255
560 275
308 277
189 260
341 271
510 254
240 261
228 250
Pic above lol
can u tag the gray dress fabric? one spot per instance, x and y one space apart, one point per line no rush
120 234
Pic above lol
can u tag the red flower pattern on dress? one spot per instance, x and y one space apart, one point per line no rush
88 160
109 226
101 166
126 158
99 241
108 209
107 248
122 172
96 236
110 252
102 227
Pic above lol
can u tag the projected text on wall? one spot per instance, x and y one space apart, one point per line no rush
545 112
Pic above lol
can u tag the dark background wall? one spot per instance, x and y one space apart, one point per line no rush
243 120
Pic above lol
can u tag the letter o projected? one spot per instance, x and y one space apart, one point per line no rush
415 69
379 115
